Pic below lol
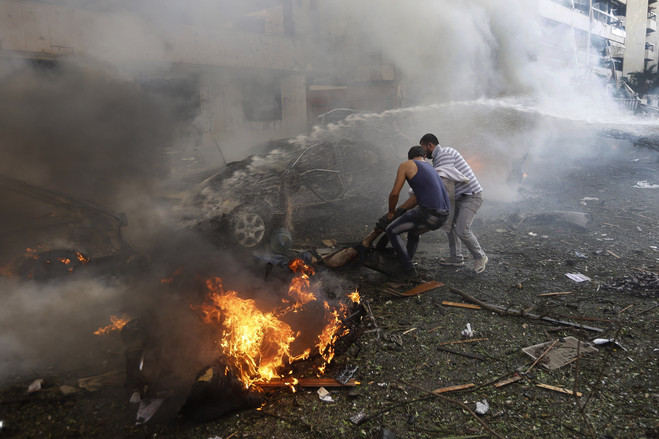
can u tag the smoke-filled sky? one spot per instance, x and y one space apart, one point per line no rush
472 70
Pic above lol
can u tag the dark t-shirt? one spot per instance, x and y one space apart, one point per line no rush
428 187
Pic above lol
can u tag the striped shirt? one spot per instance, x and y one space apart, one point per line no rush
446 156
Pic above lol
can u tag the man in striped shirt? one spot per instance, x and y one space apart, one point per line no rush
468 199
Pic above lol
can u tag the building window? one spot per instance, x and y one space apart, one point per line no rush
262 101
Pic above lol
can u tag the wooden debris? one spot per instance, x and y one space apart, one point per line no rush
92 384
505 311
563 293
463 341
426 286
304 382
542 355
461 305
508 381
464 354
558 389
625 308
452 388
409 330
613 254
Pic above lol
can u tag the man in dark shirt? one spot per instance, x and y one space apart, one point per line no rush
431 201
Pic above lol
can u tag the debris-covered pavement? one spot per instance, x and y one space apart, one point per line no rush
438 363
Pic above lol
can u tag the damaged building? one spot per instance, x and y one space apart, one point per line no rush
251 72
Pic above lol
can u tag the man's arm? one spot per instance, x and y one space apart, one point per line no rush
395 192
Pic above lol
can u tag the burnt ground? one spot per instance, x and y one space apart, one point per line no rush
398 356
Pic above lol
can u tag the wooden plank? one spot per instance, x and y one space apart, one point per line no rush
427 286
508 381
304 382
453 388
613 254
558 389
461 305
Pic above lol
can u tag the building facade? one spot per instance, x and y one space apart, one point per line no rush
248 71
606 37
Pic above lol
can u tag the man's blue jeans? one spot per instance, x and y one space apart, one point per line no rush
415 222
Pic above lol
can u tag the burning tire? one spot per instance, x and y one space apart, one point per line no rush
248 228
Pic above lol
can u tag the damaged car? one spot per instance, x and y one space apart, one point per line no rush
293 185
46 234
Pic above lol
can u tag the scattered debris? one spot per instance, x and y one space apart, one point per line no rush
643 284
92 384
346 374
67 390
562 293
584 199
408 331
558 389
426 286
625 308
613 254
463 341
645 185
35 386
467 332
135 398
507 311
461 305
358 418
464 354
482 407
577 277
306 382
453 388
605 341
324 395
563 352
579 219
148 408
580 255
511 380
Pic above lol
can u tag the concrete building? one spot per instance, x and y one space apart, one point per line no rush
603 36
245 72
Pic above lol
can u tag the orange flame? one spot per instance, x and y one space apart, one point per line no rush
257 344
117 324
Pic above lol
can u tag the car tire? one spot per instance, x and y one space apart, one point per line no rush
249 228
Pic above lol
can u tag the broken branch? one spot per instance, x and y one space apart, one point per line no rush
463 341
504 311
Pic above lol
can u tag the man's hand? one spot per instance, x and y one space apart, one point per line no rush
387 218
383 222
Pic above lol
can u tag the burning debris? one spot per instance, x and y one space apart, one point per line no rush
251 342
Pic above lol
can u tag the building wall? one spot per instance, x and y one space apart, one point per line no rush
635 23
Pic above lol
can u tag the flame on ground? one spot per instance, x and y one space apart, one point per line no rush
117 324
257 345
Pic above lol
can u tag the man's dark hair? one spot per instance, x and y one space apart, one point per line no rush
429 138
416 151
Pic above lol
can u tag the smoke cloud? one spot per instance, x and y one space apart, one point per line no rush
473 73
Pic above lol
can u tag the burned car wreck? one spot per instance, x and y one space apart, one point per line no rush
46 234
292 185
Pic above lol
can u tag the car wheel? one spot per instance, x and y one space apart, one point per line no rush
249 228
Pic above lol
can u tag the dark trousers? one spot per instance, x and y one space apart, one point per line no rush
415 222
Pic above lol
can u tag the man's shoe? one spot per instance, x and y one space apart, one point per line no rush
452 261
479 264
